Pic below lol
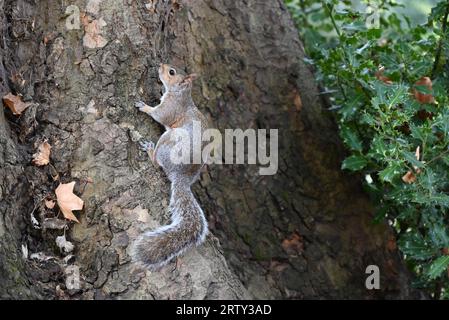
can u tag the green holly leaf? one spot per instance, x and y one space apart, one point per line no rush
417 133
410 157
354 163
414 245
351 139
391 171
438 235
438 267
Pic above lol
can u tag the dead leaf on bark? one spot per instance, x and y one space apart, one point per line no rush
42 156
68 201
417 155
50 204
380 76
15 103
424 97
293 244
410 177
92 32
17 79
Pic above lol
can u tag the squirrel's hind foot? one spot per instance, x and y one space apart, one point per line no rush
146 145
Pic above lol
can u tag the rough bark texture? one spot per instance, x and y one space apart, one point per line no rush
305 232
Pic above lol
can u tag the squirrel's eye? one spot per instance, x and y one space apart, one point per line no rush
172 72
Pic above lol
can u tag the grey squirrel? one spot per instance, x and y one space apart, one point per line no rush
188 227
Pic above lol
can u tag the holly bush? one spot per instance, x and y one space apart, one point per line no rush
387 80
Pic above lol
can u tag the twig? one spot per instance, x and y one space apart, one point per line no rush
331 16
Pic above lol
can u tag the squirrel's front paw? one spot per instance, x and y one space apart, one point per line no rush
140 104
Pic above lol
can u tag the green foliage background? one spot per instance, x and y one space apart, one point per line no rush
382 122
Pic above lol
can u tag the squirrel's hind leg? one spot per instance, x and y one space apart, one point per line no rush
149 147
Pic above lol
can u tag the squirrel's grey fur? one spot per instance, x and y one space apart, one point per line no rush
188 227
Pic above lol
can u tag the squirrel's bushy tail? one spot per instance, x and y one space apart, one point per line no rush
188 228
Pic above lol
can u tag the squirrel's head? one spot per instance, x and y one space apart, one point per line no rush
175 79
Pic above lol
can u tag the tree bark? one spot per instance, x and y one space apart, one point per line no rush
305 232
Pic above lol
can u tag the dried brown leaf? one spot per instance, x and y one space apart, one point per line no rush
294 244
68 201
424 97
380 76
42 156
15 103
50 204
409 177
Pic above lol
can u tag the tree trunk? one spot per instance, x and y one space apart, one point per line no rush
305 232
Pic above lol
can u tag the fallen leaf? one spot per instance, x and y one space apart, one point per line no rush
68 201
42 156
380 76
15 103
92 32
417 155
424 97
409 177
293 244
50 204
17 79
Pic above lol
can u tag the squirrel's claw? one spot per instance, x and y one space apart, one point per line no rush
140 104
146 145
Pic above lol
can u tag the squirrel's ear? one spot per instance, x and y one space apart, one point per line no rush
189 78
